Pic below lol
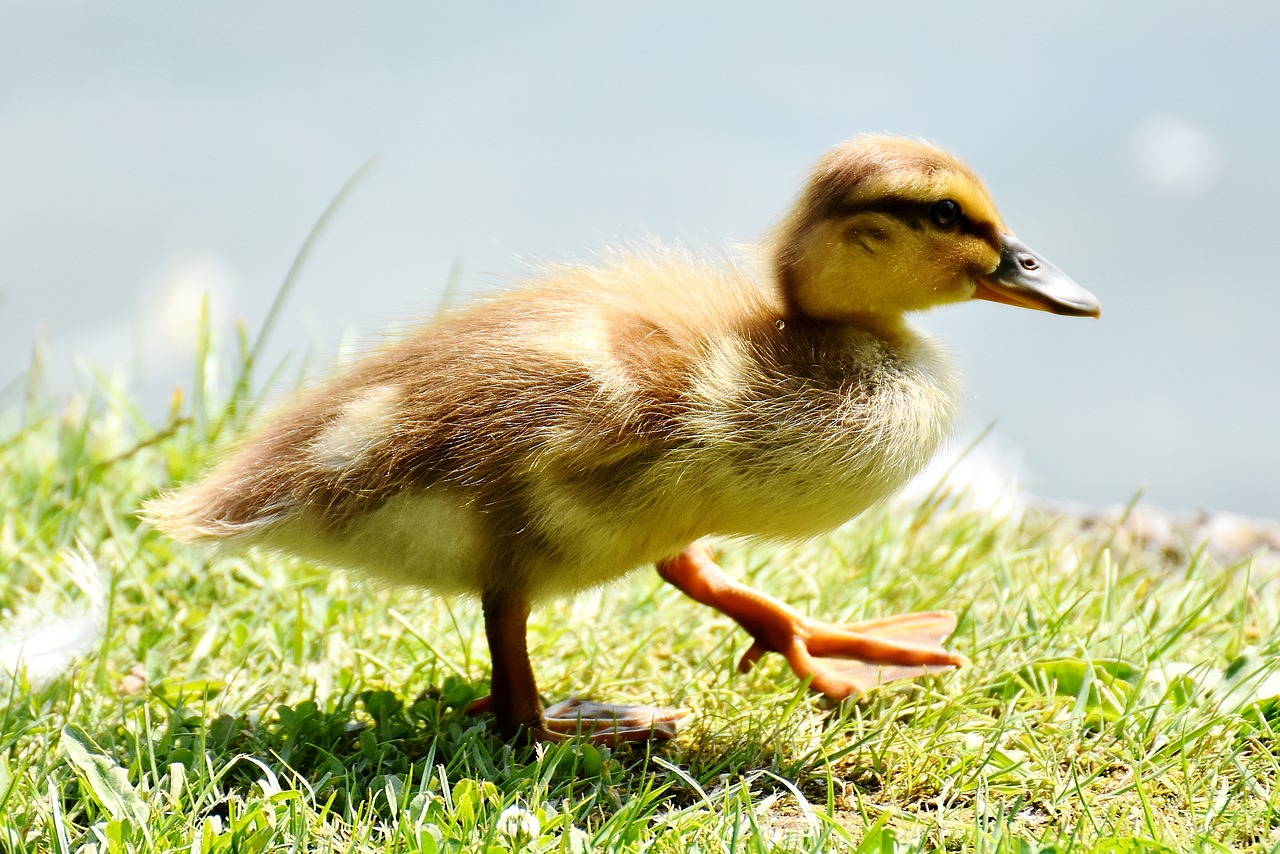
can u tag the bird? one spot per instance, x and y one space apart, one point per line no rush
605 416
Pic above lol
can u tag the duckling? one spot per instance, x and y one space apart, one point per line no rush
601 418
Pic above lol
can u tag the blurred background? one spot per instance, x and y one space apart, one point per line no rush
151 152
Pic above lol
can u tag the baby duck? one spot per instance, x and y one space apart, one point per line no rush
606 417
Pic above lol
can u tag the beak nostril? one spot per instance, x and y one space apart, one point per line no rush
1029 263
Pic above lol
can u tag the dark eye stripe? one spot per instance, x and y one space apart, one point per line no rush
910 211
915 214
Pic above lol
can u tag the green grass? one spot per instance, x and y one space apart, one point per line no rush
242 704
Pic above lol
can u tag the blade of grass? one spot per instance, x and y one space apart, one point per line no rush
241 389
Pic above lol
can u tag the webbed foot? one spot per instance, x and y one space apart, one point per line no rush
840 660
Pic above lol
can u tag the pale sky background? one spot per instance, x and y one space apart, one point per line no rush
150 151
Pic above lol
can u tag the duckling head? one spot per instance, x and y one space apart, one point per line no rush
887 226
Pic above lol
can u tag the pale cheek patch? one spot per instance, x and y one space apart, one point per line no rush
360 427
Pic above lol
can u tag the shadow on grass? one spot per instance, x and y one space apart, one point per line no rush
368 756
364 749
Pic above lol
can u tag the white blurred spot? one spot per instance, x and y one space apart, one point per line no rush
171 319
985 476
1175 157
43 641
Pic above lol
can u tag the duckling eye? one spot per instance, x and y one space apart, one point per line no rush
945 213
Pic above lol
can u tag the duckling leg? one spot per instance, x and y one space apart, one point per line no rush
513 696
841 661
513 693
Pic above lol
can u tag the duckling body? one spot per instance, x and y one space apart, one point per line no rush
603 418
649 431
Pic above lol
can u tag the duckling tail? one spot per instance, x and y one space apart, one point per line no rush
200 514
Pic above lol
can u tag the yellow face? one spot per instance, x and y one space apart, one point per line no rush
888 226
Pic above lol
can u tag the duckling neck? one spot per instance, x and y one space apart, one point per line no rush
892 328
861 346
825 418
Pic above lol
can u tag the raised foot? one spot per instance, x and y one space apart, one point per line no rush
846 660
841 661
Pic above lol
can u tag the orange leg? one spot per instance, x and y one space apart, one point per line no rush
513 696
841 661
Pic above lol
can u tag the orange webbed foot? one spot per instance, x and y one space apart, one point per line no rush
847 660
841 661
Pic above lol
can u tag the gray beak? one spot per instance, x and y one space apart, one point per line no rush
1023 278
